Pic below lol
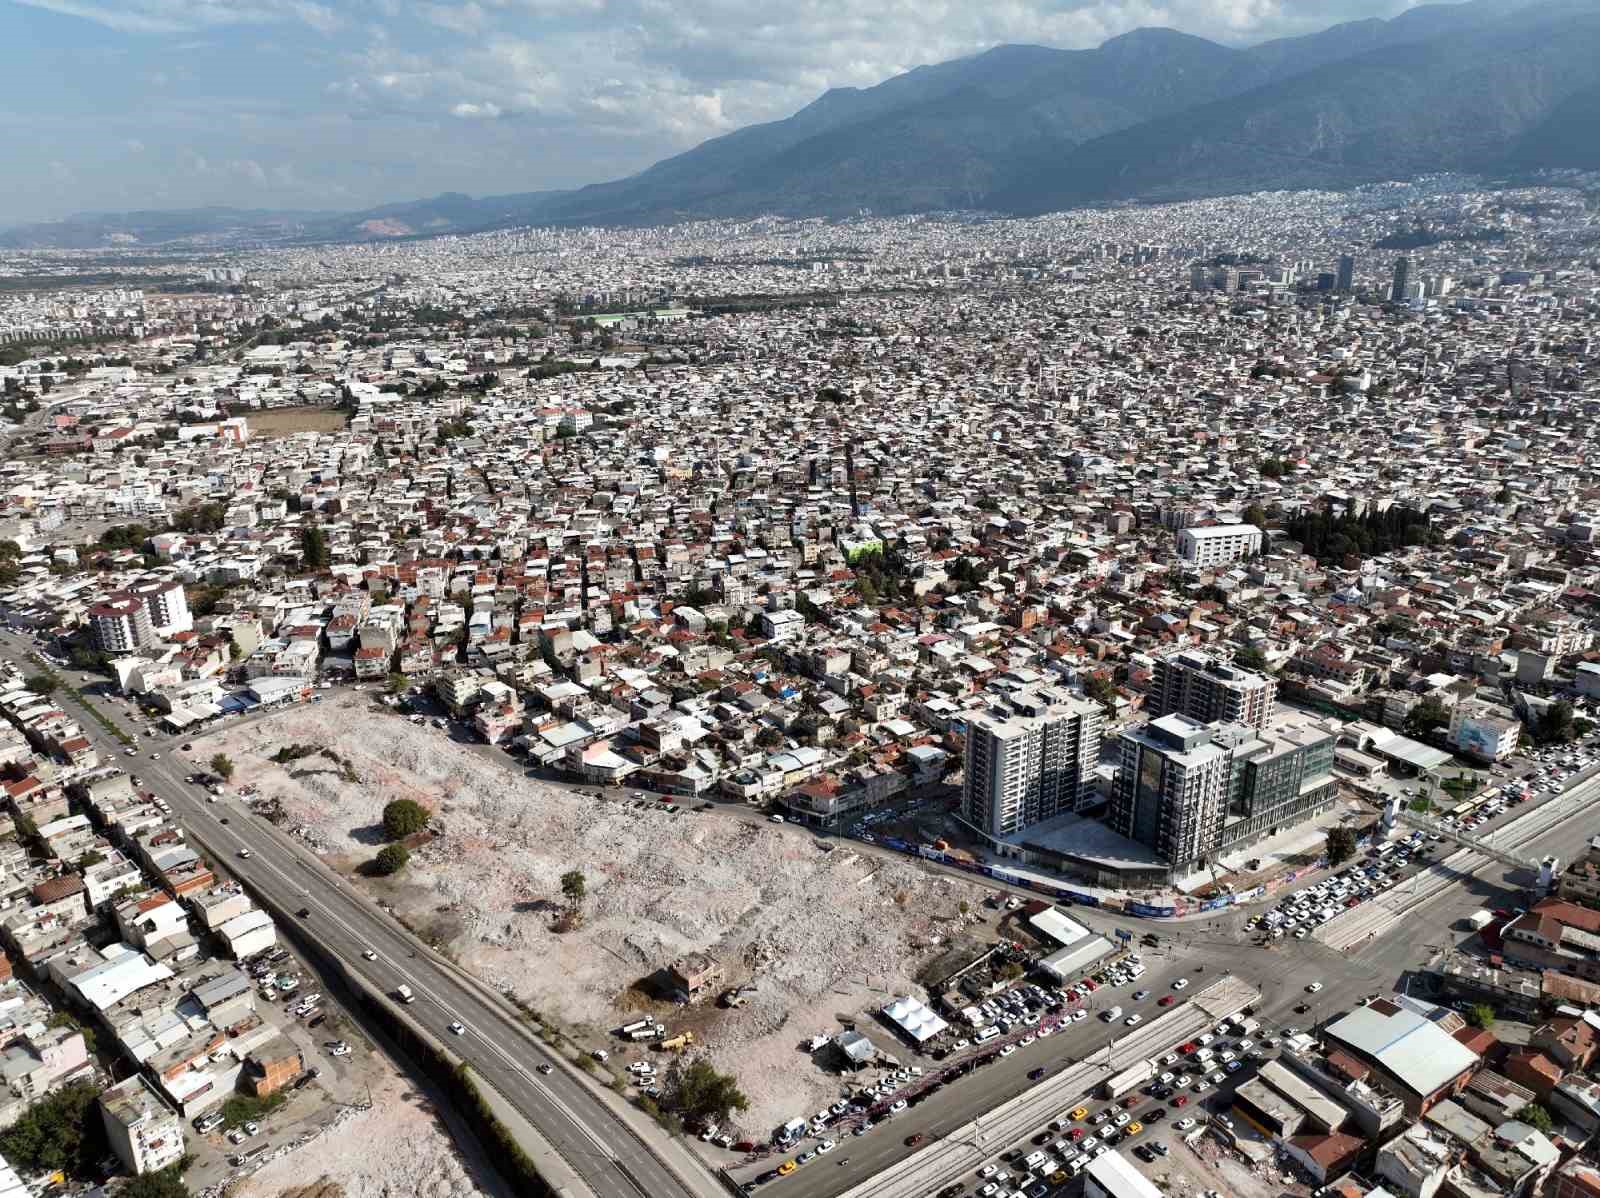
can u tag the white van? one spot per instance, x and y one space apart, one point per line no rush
1136 971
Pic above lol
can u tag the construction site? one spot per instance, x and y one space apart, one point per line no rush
787 937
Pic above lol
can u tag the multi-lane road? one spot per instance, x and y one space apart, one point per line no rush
607 1152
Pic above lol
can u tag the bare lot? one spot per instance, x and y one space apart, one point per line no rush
822 935
279 422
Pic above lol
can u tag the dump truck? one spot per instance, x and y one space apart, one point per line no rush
674 1043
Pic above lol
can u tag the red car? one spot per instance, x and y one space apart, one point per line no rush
913 1139
1181 1100
1092 986
1167 1000
1131 1101
1075 1134
1190 1048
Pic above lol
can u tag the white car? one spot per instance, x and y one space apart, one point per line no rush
369 954
456 1029
777 819
1008 1050
1133 1020
1313 987
1183 1124
1080 1013
341 1049
1181 984
826 1147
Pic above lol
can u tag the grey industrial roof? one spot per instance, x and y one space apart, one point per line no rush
1410 1047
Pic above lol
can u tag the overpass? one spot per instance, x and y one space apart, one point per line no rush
1478 844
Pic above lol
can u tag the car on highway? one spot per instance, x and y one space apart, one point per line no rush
786 1168
913 1139
245 854
338 1049
369 954
1133 1020
1181 984
1035 1074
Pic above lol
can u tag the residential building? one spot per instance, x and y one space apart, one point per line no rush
121 625
1204 688
143 1131
1030 757
1217 544
1172 788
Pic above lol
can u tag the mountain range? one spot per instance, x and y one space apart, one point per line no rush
1489 86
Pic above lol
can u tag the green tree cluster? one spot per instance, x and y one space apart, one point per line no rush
222 766
1102 690
1330 538
201 517
61 1131
1341 846
391 859
314 553
1426 717
1480 1015
404 817
698 1092
1536 1117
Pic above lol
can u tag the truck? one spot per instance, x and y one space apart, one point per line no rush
1129 1079
1111 1014
648 1032
628 1029
1479 919
790 1132
674 1043
404 994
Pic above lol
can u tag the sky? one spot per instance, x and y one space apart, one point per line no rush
112 105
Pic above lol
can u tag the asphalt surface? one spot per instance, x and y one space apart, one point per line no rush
607 1154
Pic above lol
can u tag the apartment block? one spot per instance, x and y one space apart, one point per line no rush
144 1132
1030 757
121 625
1215 544
1205 689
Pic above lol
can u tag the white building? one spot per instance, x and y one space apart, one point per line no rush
144 1132
1478 732
1199 686
1218 543
121 625
167 605
1030 758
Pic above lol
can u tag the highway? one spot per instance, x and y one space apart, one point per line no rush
610 1156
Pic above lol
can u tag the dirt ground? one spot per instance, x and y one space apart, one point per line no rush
279 422
825 937
398 1148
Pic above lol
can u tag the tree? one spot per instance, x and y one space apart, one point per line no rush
222 766
404 817
1427 716
574 887
1555 725
41 684
61 1131
1480 1015
396 683
314 553
10 550
1341 845
1251 658
391 859
164 1183
699 1092
1536 1117
1102 690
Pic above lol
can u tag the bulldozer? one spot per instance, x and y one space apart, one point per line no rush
674 1043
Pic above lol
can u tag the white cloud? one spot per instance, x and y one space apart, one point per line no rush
190 16
133 145
471 112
